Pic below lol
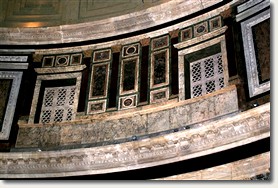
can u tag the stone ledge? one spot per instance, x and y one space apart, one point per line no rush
244 128
239 170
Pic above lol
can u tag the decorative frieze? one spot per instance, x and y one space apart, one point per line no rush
243 128
154 118
61 60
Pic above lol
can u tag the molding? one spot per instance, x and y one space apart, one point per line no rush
248 5
14 58
202 38
105 28
54 70
10 108
215 136
14 65
243 169
252 10
255 88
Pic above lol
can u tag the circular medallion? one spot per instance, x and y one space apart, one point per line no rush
127 102
201 29
62 61
131 50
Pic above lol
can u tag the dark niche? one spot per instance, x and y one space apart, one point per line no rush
99 80
129 75
159 68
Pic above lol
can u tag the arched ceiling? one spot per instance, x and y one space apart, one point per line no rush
29 22
45 13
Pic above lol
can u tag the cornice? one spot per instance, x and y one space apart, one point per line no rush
243 128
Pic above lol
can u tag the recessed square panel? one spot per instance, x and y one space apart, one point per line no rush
159 95
62 61
186 34
76 59
131 50
48 61
127 102
215 23
102 55
159 43
95 107
200 29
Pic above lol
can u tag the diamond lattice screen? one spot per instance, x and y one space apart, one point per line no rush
206 75
58 104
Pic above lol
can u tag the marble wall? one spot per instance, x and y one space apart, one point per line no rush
136 122
214 136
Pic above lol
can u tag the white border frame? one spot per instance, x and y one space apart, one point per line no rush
255 88
10 108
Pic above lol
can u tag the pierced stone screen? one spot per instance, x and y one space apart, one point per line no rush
58 104
206 75
5 87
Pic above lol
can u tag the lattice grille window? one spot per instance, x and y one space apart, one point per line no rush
206 75
58 104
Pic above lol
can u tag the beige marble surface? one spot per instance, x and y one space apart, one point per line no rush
118 25
239 170
132 122
215 136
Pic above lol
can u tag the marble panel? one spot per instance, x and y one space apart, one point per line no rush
155 151
129 77
71 134
29 137
90 133
159 68
50 136
76 59
158 121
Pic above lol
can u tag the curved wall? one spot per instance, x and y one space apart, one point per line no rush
165 84
109 27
